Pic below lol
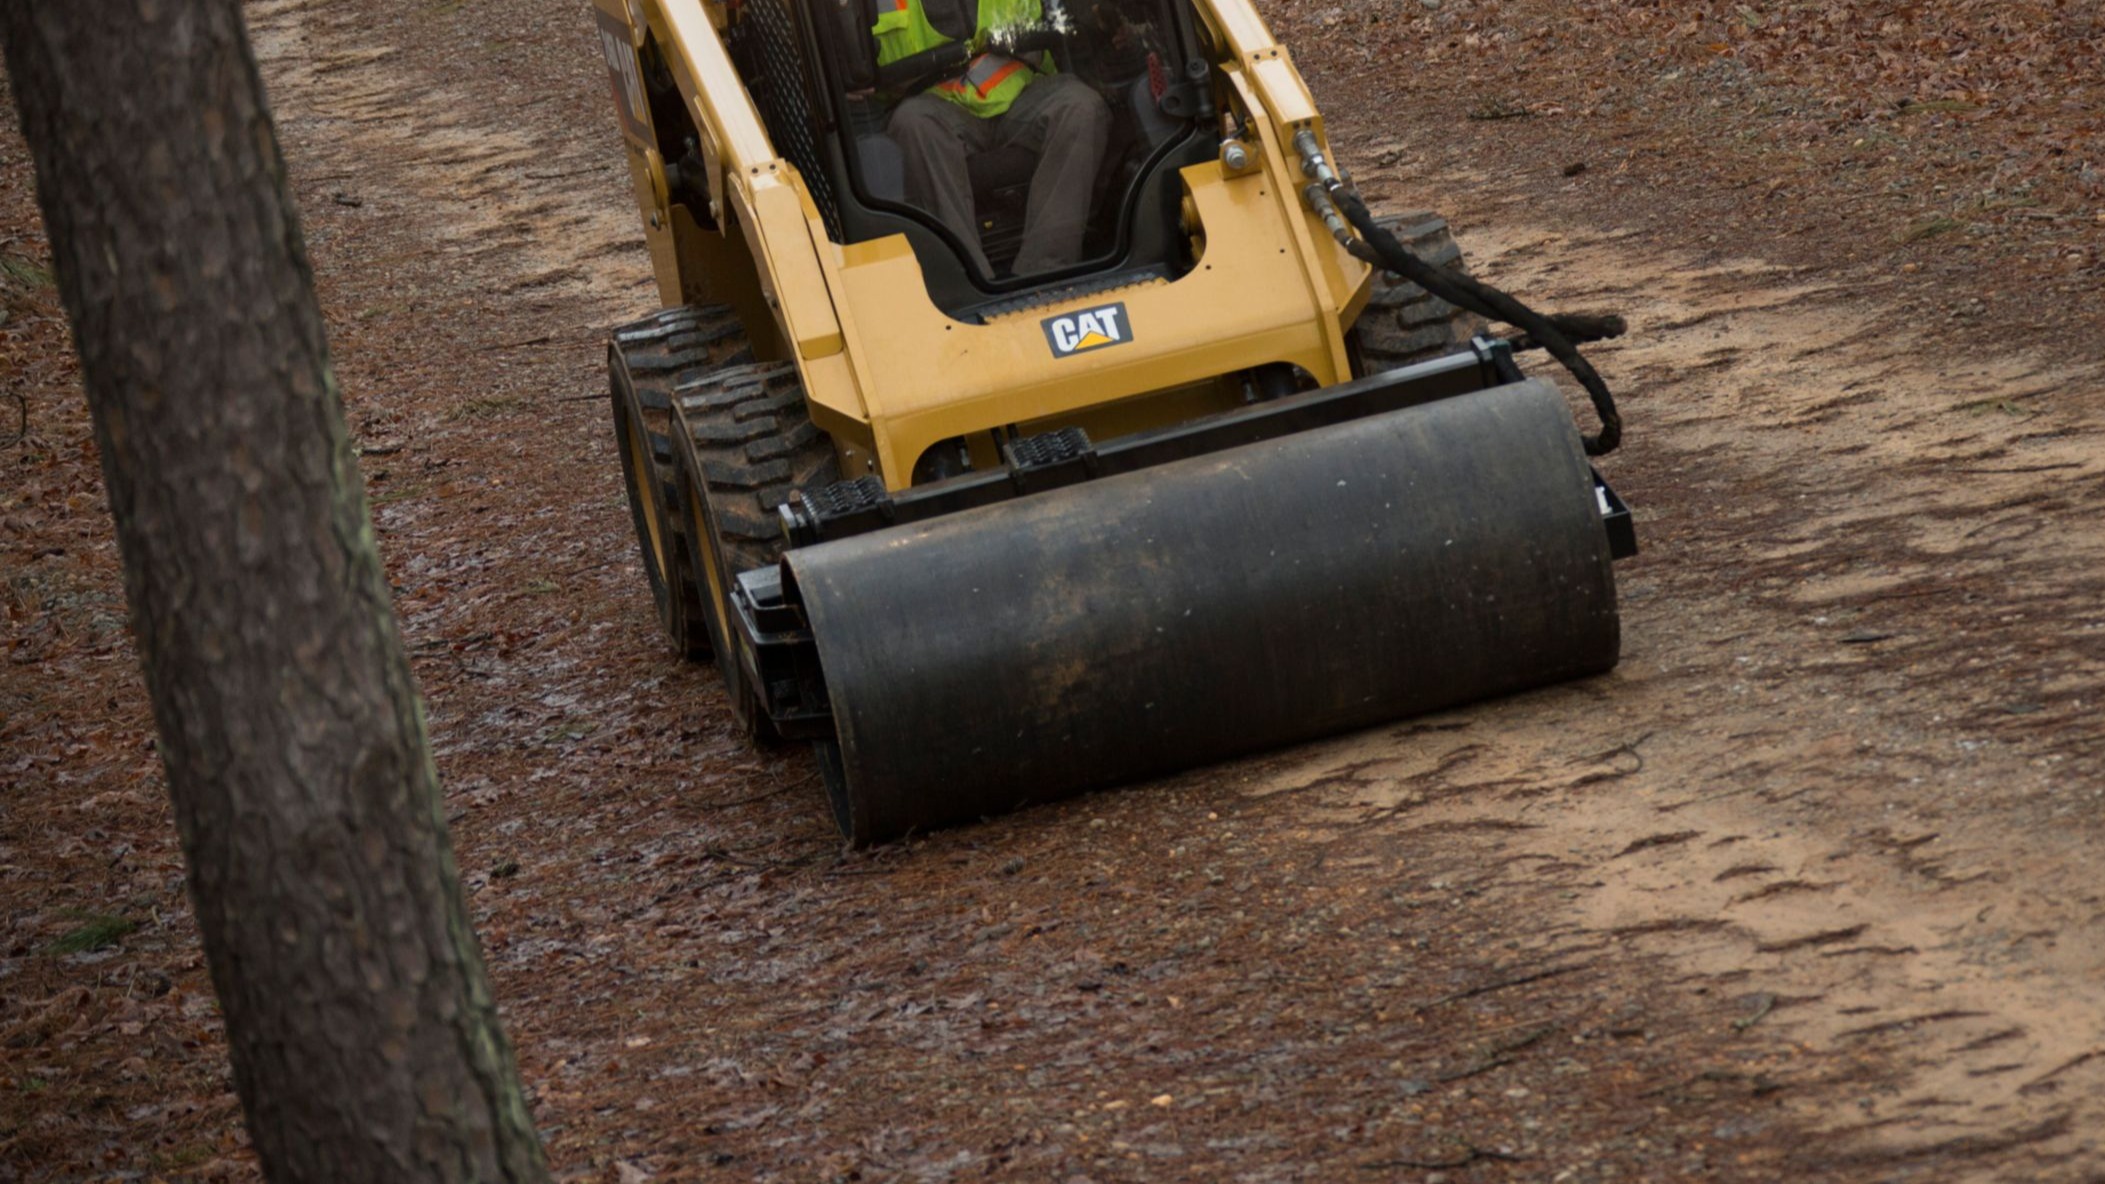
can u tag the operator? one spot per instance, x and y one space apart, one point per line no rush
994 101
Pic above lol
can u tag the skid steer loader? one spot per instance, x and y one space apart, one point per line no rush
1237 471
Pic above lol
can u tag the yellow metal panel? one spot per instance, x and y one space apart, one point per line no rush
1239 23
836 406
799 291
715 95
1334 277
658 234
843 387
927 377
1285 94
888 259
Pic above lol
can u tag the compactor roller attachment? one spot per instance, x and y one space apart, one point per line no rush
1218 605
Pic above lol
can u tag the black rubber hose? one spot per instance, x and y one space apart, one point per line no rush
1382 249
1579 328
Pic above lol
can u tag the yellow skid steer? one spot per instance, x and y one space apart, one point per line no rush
1035 406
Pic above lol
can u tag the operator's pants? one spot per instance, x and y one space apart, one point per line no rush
1059 117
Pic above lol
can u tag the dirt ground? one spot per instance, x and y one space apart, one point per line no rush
1805 890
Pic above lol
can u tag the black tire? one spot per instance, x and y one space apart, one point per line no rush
1403 323
646 360
746 442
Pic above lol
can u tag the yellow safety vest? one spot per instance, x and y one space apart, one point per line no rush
991 81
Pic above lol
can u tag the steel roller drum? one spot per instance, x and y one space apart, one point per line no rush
1220 605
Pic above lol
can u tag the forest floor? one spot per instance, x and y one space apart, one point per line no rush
1805 890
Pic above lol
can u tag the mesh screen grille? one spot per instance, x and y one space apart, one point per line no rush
764 47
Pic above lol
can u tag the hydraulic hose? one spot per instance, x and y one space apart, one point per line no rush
1338 205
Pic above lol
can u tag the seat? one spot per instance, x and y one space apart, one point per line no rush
884 168
1001 169
1001 188
1001 180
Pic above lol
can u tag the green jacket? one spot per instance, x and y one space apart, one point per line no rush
991 81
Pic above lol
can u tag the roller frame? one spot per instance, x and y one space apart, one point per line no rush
781 655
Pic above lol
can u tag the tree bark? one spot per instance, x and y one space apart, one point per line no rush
364 1040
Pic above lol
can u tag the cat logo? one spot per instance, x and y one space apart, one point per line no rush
1080 332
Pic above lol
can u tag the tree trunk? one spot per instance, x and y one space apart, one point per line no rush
364 1039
